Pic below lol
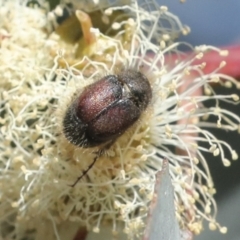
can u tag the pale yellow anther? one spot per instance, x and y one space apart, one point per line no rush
24 169
228 84
116 26
186 30
213 147
216 152
207 209
223 230
207 91
222 64
215 79
224 53
212 226
164 8
199 56
15 204
196 160
235 97
144 157
108 11
96 229
226 162
234 155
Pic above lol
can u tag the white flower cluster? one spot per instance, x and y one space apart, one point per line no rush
40 74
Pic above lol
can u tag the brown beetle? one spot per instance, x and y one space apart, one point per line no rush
106 109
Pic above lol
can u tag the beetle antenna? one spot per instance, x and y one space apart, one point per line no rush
85 171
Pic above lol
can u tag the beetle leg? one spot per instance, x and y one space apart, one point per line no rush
85 171
99 153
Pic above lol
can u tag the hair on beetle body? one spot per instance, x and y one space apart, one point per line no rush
105 109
